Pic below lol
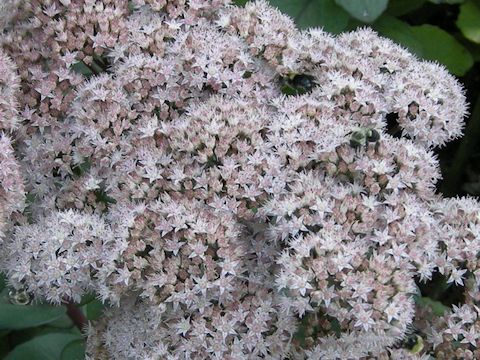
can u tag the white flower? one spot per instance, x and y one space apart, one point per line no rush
470 336
456 276
183 326
364 319
92 183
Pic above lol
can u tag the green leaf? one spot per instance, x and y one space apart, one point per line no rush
19 337
4 347
82 69
2 281
447 1
81 168
45 347
75 350
103 197
240 2
439 45
15 317
402 7
336 327
476 53
400 32
437 307
63 322
469 21
364 10
87 298
94 310
315 13
4 297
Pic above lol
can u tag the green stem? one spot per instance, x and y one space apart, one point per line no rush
97 69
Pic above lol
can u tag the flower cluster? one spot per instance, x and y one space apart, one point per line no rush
12 193
68 255
227 182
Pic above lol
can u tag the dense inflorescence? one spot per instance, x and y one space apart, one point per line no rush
232 187
12 192
69 252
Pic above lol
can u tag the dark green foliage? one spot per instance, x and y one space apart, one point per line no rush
94 309
82 168
16 317
326 14
364 10
451 53
44 347
405 22
437 307
103 197
74 350
37 331
469 20
82 69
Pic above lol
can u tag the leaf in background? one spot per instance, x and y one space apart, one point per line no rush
439 45
63 322
4 296
15 317
2 281
94 309
469 21
82 69
402 7
45 347
87 298
447 1
240 2
437 307
4 347
476 53
364 10
398 31
75 350
315 13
